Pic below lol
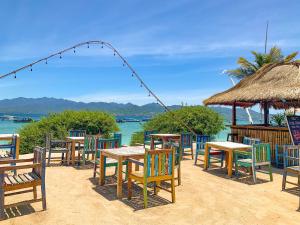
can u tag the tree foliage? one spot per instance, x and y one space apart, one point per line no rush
60 123
248 68
202 120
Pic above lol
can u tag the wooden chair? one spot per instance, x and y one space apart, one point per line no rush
32 179
186 142
147 138
178 158
259 156
57 146
108 162
90 146
200 150
158 166
291 164
233 137
8 151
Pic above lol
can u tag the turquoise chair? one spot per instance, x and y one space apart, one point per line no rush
90 146
119 137
186 142
200 150
258 157
147 138
108 143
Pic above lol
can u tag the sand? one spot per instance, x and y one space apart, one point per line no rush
73 197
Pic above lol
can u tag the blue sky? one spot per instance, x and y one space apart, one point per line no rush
179 48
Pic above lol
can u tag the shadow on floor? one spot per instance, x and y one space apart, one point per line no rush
109 191
21 209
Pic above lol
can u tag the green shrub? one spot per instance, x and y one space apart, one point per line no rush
202 120
60 123
137 138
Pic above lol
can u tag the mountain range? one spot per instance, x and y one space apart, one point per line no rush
49 105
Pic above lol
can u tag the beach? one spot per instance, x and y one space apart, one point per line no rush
205 197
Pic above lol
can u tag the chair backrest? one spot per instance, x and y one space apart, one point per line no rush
39 156
77 133
186 140
90 143
147 134
106 143
251 141
119 137
159 163
54 143
233 137
201 141
261 153
291 155
178 150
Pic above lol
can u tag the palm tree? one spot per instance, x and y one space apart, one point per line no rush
248 68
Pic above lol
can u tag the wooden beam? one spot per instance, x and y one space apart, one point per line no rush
266 114
234 114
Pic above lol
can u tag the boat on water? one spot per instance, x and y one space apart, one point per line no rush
8 117
23 120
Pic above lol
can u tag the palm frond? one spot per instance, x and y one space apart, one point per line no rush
246 64
291 57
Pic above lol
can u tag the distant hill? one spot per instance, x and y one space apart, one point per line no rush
49 105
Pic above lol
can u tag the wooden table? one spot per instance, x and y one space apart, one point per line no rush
164 137
227 146
74 141
120 154
8 137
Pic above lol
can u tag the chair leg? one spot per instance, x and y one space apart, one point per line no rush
179 174
192 152
173 190
129 182
254 174
95 169
236 168
34 193
2 214
270 172
43 188
284 179
83 158
145 194
222 159
196 157
49 157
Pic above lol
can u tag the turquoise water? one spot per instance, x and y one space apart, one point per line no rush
127 129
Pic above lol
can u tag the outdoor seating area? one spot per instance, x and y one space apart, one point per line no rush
113 171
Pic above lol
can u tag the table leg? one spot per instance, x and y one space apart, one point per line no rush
152 143
73 152
119 182
18 147
101 168
206 157
230 158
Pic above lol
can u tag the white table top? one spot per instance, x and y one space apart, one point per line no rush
76 138
229 144
165 135
126 151
7 135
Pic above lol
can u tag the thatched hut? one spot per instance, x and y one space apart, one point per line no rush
274 85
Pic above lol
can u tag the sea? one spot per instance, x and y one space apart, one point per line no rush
126 128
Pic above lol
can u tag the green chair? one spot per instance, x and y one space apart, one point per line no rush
258 157
90 146
147 138
109 143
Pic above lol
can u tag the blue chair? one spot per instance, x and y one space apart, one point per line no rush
291 159
107 143
279 155
147 138
186 142
8 151
200 150
77 133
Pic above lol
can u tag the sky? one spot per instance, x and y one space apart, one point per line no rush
179 48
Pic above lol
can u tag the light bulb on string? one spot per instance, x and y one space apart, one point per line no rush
141 85
74 50
88 45
114 53
149 94
15 75
46 61
101 44
60 55
132 74
30 67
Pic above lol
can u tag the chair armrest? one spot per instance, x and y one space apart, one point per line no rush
136 162
8 168
9 161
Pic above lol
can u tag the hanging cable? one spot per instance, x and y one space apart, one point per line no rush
116 53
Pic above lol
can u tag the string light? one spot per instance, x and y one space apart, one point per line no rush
141 85
102 45
114 53
30 67
132 74
149 94
15 75
88 45
46 61
74 50
60 55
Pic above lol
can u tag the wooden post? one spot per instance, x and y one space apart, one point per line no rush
234 114
266 114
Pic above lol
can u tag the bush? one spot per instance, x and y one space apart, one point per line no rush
202 120
60 123
137 138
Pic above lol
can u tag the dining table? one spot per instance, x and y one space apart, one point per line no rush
165 138
73 141
119 154
226 146
8 137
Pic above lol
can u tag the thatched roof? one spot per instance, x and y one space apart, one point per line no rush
278 84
